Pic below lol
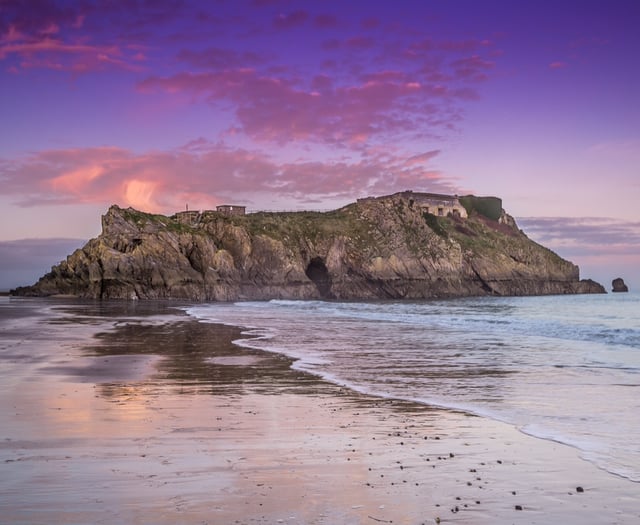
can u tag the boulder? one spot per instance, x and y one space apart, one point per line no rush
619 285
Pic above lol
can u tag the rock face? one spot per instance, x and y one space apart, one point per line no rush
618 285
383 248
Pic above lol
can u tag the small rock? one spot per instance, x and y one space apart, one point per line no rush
518 507
618 285
579 489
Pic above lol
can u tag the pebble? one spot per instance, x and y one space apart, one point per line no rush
518 507
579 489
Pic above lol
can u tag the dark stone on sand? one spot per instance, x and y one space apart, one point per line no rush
579 489
518 507
618 285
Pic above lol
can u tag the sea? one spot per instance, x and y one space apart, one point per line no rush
561 368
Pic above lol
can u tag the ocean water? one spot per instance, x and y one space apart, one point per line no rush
562 368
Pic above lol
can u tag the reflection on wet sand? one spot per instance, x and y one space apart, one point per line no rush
200 358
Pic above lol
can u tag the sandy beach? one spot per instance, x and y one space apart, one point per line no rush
129 413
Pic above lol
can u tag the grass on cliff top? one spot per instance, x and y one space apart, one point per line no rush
476 234
142 219
303 224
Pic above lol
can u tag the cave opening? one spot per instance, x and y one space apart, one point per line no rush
318 273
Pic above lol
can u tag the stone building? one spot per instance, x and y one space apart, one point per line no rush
434 203
437 204
187 217
229 209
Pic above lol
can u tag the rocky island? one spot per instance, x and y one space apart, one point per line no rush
404 246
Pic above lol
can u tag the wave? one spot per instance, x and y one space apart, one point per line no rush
523 361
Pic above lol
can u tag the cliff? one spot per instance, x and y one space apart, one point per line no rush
388 247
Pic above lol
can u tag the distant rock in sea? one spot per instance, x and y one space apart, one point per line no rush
404 246
619 285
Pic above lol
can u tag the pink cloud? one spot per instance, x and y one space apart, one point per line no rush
12 35
53 53
351 112
472 68
54 36
204 174
558 65
45 18
78 22
50 45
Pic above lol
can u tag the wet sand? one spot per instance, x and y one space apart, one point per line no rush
129 413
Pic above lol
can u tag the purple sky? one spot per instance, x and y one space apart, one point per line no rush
310 105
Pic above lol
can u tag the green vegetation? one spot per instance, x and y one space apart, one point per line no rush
489 207
304 226
433 223
142 219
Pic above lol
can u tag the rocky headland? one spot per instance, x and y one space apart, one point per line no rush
391 247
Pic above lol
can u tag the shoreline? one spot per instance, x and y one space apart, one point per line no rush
210 432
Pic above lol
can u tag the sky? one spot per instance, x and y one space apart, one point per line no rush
291 105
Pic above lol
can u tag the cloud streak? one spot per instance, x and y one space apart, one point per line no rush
206 174
47 36
585 235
